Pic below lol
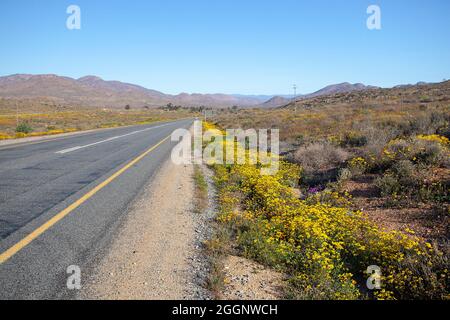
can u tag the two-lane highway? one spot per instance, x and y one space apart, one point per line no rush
62 200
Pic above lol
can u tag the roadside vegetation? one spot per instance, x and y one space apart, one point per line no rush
201 190
364 180
40 119
216 245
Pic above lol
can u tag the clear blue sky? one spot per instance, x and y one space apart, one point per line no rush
229 46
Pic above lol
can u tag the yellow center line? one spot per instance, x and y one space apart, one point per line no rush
59 216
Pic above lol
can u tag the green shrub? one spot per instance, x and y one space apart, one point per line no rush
388 185
418 150
438 192
405 170
24 128
351 139
425 99
400 180
432 153
406 182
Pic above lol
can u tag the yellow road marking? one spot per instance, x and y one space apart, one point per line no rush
47 225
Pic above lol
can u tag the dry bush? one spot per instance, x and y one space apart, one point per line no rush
434 154
320 156
418 150
426 122
377 138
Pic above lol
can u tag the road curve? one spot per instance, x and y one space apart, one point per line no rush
62 200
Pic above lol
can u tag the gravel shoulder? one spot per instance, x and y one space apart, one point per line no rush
248 280
157 252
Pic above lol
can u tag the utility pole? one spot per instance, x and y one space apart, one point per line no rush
295 95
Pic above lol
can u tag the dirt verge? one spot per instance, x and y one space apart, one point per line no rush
248 280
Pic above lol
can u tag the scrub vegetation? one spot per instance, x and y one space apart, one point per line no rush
364 180
37 118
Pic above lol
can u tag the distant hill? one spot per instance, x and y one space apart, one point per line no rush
263 97
421 83
418 93
275 102
338 88
279 101
96 92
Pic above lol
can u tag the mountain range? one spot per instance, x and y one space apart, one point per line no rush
92 91
344 87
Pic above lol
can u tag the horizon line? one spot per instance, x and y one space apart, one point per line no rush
219 93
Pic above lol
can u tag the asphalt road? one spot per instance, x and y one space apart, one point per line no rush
66 197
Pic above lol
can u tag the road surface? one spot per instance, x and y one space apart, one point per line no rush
62 200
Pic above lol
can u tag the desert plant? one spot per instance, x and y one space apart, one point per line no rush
201 190
319 156
377 138
24 127
352 139
357 166
345 174
433 154
405 172
398 149
388 185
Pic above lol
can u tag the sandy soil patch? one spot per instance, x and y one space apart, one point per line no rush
248 280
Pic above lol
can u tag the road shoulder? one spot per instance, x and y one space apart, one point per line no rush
154 255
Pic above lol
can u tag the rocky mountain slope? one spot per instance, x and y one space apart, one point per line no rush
96 92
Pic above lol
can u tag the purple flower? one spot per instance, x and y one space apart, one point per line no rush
315 189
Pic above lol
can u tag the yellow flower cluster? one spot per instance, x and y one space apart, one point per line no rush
4 136
320 239
398 149
36 134
435 138
358 165
208 126
325 248
358 162
334 198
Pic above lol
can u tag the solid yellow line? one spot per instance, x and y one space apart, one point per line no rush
47 225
